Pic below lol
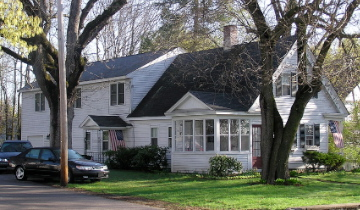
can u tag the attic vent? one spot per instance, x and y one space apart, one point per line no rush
230 36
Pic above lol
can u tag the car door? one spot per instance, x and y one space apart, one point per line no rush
49 165
31 161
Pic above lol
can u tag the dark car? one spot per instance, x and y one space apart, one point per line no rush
11 148
44 162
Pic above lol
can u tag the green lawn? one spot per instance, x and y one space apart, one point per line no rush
195 191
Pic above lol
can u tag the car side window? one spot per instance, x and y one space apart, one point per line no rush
46 154
34 153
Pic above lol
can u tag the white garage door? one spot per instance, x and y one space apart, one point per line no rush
38 141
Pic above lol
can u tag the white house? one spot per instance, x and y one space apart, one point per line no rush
198 104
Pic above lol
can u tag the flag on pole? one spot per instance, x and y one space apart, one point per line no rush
337 135
116 139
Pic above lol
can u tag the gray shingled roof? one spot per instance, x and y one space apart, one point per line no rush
109 121
116 67
226 76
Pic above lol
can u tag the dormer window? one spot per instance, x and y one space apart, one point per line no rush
117 94
286 84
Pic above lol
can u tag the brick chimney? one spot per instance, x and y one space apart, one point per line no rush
230 36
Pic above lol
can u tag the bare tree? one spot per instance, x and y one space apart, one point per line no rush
317 24
81 30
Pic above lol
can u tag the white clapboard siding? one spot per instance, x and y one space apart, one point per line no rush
140 133
34 123
190 162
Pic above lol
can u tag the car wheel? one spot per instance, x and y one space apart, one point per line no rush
70 177
20 173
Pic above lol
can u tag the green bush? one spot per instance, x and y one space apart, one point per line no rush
356 170
331 161
222 165
150 158
147 158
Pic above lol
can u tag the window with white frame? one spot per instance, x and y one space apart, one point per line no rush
209 135
169 137
117 94
286 84
39 102
309 135
234 135
77 103
194 135
154 136
105 140
87 140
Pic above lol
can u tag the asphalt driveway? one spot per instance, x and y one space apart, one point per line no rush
36 195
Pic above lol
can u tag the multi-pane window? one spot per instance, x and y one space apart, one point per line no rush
234 135
77 103
105 141
309 135
117 94
194 135
87 140
209 135
169 137
154 136
39 102
286 85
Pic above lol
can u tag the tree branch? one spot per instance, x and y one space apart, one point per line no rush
94 27
16 55
85 12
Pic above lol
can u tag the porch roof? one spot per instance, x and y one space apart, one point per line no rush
94 122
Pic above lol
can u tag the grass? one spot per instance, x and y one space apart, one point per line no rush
185 191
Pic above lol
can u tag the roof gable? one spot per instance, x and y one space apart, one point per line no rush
215 71
93 122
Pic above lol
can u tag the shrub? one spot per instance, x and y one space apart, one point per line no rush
356 170
150 158
315 159
147 158
222 165
333 161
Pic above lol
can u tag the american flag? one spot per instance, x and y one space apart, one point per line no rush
116 139
338 138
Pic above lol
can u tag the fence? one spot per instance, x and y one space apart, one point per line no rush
97 156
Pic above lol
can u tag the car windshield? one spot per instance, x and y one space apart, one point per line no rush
15 146
72 154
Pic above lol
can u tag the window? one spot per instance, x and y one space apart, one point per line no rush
34 154
286 85
309 135
87 140
117 94
77 103
209 135
47 154
194 135
154 136
169 137
105 142
39 102
234 135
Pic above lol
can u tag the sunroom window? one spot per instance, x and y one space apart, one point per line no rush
286 85
234 135
194 135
